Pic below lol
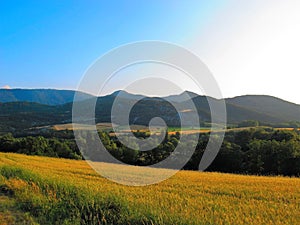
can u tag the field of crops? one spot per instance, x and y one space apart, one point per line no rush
59 191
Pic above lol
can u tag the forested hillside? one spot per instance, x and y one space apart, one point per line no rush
48 107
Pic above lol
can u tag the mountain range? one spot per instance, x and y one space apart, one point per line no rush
42 96
25 108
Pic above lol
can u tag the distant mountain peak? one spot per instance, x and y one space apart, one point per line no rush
263 108
42 96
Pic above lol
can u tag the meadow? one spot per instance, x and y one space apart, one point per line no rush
62 191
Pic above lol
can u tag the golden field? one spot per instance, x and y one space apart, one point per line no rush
49 186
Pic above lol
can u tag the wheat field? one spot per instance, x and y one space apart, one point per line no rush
60 191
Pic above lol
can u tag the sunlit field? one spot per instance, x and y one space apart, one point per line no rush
60 191
135 128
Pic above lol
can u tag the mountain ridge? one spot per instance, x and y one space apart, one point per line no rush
42 96
263 108
190 93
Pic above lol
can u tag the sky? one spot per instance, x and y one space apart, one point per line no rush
251 47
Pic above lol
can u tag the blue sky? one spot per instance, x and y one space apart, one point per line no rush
51 44
251 47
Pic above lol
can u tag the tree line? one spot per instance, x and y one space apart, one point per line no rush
264 151
40 145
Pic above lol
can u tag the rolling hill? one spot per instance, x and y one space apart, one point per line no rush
26 108
42 96
268 105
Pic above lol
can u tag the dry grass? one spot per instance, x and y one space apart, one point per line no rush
186 198
10 214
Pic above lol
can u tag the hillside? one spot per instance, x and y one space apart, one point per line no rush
268 105
17 116
46 107
42 96
51 186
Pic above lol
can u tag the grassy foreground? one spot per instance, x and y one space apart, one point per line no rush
10 213
59 191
